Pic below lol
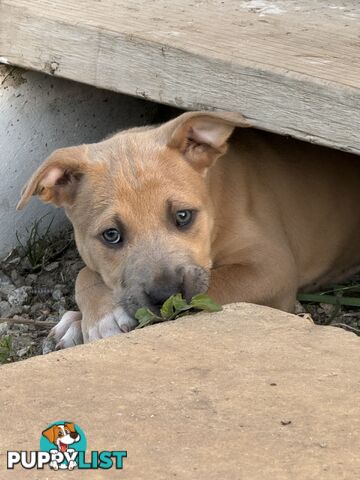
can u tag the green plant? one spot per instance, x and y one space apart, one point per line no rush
40 246
6 350
345 300
174 307
37 244
334 296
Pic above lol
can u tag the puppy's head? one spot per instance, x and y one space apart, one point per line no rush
62 435
140 205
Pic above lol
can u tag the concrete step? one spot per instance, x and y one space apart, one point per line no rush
247 393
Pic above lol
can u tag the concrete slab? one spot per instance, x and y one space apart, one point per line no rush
247 393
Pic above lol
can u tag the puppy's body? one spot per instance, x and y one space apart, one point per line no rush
286 206
270 216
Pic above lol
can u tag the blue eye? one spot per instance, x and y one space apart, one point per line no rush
112 236
183 217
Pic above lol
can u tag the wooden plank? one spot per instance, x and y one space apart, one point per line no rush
291 67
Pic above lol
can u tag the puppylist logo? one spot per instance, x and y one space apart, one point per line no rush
62 447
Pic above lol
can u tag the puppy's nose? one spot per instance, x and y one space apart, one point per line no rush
187 280
159 293
74 435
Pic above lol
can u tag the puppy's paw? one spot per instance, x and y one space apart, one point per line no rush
115 322
67 333
54 465
72 465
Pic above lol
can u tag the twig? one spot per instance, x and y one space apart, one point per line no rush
7 75
25 321
346 327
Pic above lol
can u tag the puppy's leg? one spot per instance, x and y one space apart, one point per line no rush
272 285
100 317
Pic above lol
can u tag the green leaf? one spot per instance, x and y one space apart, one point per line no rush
146 317
174 307
167 310
179 303
203 302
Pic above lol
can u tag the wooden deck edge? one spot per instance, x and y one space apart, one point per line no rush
282 102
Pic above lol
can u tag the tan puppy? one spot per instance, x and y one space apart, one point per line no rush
173 208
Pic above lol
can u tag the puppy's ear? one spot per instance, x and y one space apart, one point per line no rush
70 426
201 136
57 180
51 433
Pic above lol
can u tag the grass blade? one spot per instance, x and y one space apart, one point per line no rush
331 299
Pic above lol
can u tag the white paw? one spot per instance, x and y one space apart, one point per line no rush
72 465
67 333
115 322
54 465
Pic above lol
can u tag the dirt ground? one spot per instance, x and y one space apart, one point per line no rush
37 287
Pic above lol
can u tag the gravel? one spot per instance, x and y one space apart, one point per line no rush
41 295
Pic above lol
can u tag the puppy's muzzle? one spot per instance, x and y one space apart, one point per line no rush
152 290
188 281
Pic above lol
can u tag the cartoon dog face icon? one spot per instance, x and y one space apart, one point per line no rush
62 435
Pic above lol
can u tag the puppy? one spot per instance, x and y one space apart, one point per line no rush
182 207
62 436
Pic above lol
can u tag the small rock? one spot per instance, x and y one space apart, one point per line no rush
19 296
4 327
5 309
23 351
20 327
14 275
51 267
285 422
31 279
299 308
327 308
4 279
75 267
6 285
57 293
48 345
36 307
5 291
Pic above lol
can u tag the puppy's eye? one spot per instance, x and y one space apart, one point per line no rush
183 218
60 434
112 236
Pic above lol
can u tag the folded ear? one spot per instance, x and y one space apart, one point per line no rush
50 433
70 426
57 180
201 136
